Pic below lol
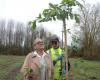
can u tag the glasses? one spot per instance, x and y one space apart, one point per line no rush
54 42
40 43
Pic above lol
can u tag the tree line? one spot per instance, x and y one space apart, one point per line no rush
17 38
86 39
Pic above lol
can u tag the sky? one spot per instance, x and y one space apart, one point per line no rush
27 10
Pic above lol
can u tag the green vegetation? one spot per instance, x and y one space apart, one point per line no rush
85 69
80 69
9 65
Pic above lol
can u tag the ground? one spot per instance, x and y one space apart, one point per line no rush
80 69
10 66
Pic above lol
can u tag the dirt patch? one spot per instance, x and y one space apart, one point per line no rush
2 66
12 74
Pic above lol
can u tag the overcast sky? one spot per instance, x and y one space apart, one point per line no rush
26 10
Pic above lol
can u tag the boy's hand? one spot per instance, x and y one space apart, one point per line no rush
54 62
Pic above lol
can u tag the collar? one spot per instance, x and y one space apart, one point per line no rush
56 48
36 54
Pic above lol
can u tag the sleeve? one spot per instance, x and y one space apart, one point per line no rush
26 65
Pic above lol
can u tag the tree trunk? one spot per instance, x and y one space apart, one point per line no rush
65 47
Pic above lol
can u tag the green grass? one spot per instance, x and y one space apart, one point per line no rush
80 69
8 64
85 69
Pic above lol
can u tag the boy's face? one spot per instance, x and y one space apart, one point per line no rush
55 44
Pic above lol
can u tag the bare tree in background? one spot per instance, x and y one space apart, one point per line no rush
2 31
19 34
28 38
90 30
9 32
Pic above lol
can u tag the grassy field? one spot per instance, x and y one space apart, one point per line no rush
80 69
85 69
9 66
